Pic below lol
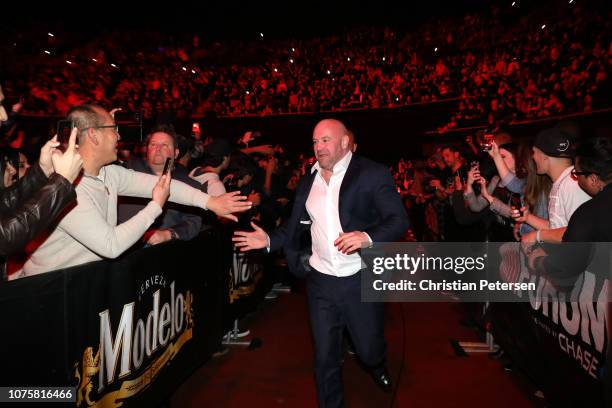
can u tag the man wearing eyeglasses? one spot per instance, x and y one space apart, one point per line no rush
89 231
553 151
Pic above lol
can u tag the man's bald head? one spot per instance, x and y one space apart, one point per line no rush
330 142
331 125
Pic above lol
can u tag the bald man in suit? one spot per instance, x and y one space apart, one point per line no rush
346 203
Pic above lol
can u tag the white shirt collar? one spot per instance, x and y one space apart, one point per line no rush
563 175
340 166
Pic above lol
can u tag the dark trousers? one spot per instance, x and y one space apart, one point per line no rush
335 303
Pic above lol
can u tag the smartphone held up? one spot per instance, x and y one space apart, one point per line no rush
166 166
64 128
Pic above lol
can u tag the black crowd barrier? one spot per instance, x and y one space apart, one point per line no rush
248 285
125 332
562 345
129 332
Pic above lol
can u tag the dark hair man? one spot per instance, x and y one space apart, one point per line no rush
176 221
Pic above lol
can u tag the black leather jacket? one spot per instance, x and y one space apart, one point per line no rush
29 206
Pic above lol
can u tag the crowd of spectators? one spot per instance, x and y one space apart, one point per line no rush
500 66
503 63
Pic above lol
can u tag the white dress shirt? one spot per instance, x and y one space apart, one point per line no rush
322 207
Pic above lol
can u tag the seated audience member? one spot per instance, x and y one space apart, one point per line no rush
89 232
175 222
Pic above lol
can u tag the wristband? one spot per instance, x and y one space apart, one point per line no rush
538 238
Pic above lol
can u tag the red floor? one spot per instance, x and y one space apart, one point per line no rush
280 372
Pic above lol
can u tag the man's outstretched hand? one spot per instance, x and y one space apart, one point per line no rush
247 241
227 204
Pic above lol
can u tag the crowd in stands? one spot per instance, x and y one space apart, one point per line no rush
71 205
498 63
502 63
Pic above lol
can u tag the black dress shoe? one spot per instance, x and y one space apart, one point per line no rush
383 379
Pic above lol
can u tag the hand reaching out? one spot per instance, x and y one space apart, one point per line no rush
248 241
227 204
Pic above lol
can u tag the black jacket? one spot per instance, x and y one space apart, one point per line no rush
590 224
29 206
368 202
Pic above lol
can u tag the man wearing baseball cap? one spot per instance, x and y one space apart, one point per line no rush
553 153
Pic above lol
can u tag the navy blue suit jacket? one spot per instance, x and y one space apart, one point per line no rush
368 202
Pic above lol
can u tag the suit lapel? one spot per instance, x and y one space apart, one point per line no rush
346 188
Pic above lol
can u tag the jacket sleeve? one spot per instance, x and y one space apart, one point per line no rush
279 237
479 203
388 204
12 197
86 225
136 184
21 225
189 227
499 207
513 183
476 204
566 261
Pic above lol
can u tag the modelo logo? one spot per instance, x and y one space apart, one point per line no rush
134 341
243 269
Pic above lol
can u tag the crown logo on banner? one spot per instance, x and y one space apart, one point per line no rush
90 366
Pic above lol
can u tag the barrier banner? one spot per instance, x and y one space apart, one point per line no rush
559 339
126 332
248 284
